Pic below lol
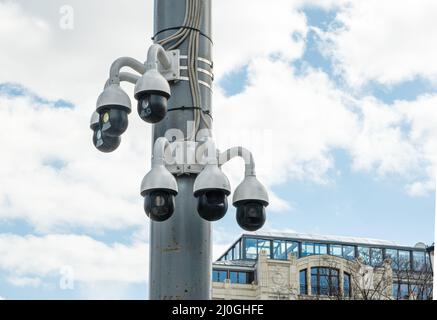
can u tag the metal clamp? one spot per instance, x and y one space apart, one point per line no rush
204 60
174 72
184 155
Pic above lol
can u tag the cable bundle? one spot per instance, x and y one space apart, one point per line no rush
190 30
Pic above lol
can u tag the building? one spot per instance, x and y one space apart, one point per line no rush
265 266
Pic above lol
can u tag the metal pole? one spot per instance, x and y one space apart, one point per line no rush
180 248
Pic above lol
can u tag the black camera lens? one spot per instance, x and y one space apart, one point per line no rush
251 216
152 108
212 205
114 121
159 205
105 143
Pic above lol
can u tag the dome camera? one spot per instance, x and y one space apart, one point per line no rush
105 143
212 189
159 204
101 140
113 107
152 92
251 199
159 188
251 215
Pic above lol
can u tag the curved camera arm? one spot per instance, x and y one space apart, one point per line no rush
159 151
157 55
124 77
241 152
117 65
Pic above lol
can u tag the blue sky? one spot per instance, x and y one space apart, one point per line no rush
377 183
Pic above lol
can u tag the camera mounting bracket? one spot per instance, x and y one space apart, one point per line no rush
184 159
174 72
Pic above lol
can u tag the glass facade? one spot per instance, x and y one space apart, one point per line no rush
364 253
376 258
336 250
236 277
248 248
219 275
324 281
404 260
309 249
419 261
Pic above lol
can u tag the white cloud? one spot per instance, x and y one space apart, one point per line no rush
248 29
387 41
382 144
72 64
90 190
306 117
35 259
34 282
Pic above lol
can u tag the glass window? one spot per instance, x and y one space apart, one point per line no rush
307 249
251 248
347 285
404 292
233 276
349 252
264 245
293 248
404 260
392 254
279 250
324 281
237 251
219 275
239 277
364 253
419 260
376 257
335 250
320 248
303 281
242 278
229 255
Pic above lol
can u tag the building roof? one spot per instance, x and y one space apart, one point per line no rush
236 263
326 238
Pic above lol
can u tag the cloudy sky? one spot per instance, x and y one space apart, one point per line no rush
336 99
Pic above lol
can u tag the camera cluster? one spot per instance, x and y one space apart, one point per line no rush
159 187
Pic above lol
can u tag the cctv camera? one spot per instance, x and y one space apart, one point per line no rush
251 215
159 205
159 188
251 199
113 107
152 108
105 143
212 189
114 121
152 92
212 205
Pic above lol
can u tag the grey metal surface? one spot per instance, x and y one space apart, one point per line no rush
152 80
212 178
113 95
251 189
180 250
159 178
